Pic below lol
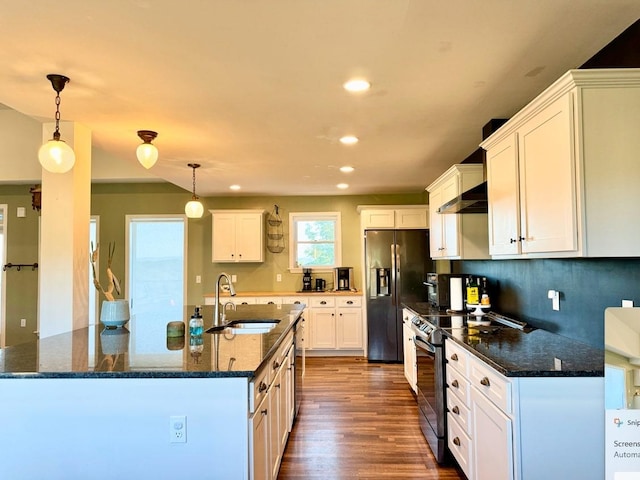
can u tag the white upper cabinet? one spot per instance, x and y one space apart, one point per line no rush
562 173
451 235
237 235
394 217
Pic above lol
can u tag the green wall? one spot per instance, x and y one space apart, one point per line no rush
22 247
112 202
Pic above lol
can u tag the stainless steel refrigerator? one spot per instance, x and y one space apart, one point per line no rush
397 262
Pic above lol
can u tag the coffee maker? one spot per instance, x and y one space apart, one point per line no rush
306 279
343 278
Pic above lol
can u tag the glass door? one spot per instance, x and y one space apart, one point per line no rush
155 286
3 256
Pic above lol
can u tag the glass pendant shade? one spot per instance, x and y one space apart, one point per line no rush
147 154
56 156
194 209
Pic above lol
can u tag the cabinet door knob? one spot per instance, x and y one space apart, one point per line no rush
264 412
278 386
485 382
512 240
521 239
455 384
262 387
454 357
456 441
456 410
275 365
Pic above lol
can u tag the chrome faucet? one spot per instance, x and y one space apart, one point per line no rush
216 312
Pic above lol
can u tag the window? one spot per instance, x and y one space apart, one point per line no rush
315 240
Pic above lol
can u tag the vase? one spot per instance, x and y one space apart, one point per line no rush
114 313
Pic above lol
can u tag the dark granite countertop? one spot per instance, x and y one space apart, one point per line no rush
142 349
517 353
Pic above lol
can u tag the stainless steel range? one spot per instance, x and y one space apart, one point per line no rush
431 399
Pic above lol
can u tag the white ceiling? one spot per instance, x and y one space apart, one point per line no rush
251 89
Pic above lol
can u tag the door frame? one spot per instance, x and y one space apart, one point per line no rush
3 280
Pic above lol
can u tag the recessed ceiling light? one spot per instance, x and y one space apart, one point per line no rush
342 186
357 85
347 169
234 187
349 140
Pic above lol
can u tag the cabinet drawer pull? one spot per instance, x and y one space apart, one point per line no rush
456 441
349 302
271 303
323 302
263 387
454 357
456 410
455 384
278 386
485 382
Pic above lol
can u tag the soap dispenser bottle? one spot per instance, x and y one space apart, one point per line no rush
196 325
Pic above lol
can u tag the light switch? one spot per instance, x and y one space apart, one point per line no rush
21 212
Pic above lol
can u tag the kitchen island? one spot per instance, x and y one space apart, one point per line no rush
97 403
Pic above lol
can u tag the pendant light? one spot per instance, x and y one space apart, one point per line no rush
194 208
56 156
147 152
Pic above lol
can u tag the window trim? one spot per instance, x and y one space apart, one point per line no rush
295 217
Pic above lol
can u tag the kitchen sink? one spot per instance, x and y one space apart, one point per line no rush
246 326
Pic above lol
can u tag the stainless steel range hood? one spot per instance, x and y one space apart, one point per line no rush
471 201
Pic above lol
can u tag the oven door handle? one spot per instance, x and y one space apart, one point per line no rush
424 345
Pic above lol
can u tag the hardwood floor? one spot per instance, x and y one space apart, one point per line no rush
358 420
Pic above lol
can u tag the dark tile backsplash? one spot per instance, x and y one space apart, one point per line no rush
519 289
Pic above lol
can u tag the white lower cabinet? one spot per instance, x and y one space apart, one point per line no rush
260 466
493 439
349 322
336 323
521 428
323 323
409 348
272 390
480 433
459 420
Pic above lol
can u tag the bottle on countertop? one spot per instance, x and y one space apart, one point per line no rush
473 294
196 324
484 292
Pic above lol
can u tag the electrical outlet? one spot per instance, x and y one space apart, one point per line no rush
627 303
279 277
234 278
198 279
178 429
23 322
557 364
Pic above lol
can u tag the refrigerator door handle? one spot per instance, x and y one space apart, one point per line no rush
393 274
